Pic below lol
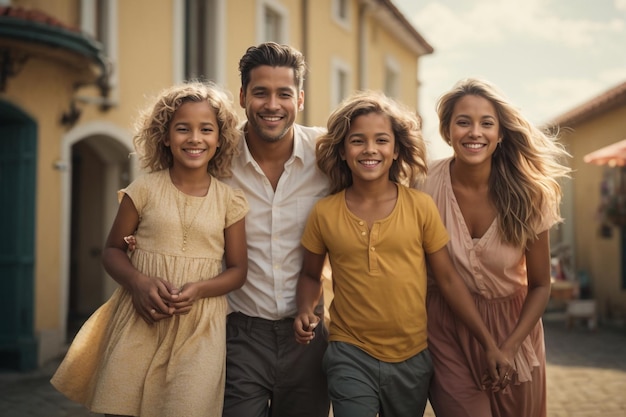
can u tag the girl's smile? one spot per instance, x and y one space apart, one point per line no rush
369 147
193 135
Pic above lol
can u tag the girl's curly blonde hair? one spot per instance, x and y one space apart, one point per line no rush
410 168
153 124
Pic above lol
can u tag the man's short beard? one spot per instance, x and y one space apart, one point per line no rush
272 139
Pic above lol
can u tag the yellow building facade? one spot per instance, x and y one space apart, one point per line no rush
597 243
74 75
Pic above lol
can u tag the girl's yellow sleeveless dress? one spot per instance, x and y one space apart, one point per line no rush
119 364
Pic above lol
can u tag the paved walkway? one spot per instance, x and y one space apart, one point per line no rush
586 378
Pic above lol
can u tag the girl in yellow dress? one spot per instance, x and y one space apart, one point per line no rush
157 347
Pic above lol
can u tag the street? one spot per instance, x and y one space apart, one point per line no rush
586 377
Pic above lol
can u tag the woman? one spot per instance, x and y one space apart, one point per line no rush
498 196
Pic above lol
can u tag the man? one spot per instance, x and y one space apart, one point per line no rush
267 371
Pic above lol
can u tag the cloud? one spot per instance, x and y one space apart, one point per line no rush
449 29
548 56
555 96
614 75
574 33
497 21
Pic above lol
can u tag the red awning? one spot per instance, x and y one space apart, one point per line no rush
612 155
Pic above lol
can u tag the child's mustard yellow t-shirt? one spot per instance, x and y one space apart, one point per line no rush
379 275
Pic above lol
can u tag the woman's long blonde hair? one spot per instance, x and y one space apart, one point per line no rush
152 126
526 167
410 166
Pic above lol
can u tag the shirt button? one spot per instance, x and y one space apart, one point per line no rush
372 249
360 223
363 233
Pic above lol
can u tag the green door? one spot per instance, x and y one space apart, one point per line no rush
18 159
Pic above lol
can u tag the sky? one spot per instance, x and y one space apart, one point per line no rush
546 56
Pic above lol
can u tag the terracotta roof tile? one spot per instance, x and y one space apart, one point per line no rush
34 15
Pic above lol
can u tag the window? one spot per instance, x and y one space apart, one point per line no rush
340 10
98 18
392 77
103 24
271 21
200 40
340 82
272 24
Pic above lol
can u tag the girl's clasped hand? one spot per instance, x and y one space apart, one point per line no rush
156 298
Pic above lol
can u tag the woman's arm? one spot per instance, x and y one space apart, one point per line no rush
462 304
308 292
538 270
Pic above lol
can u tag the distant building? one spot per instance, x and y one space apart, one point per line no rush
73 75
595 199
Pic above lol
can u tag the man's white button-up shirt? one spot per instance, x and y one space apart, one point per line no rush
274 226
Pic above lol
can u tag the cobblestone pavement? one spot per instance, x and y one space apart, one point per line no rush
586 373
586 378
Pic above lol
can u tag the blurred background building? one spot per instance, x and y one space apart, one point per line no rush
74 73
591 243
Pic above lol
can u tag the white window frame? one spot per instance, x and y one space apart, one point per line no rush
89 24
338 69
393 69
218 72
343 21
281 11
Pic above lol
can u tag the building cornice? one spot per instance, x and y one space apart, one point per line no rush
394 21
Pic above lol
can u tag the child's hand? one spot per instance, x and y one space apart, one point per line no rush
304 327
150 297
184 298
131 241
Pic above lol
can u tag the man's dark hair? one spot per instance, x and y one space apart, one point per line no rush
274 55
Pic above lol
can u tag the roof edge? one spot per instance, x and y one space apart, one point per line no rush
606 101
424 47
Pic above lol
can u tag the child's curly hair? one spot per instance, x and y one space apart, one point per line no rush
410 168
153 124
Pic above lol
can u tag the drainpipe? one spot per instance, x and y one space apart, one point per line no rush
364 8
305 51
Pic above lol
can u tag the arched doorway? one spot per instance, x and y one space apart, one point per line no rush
100 167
